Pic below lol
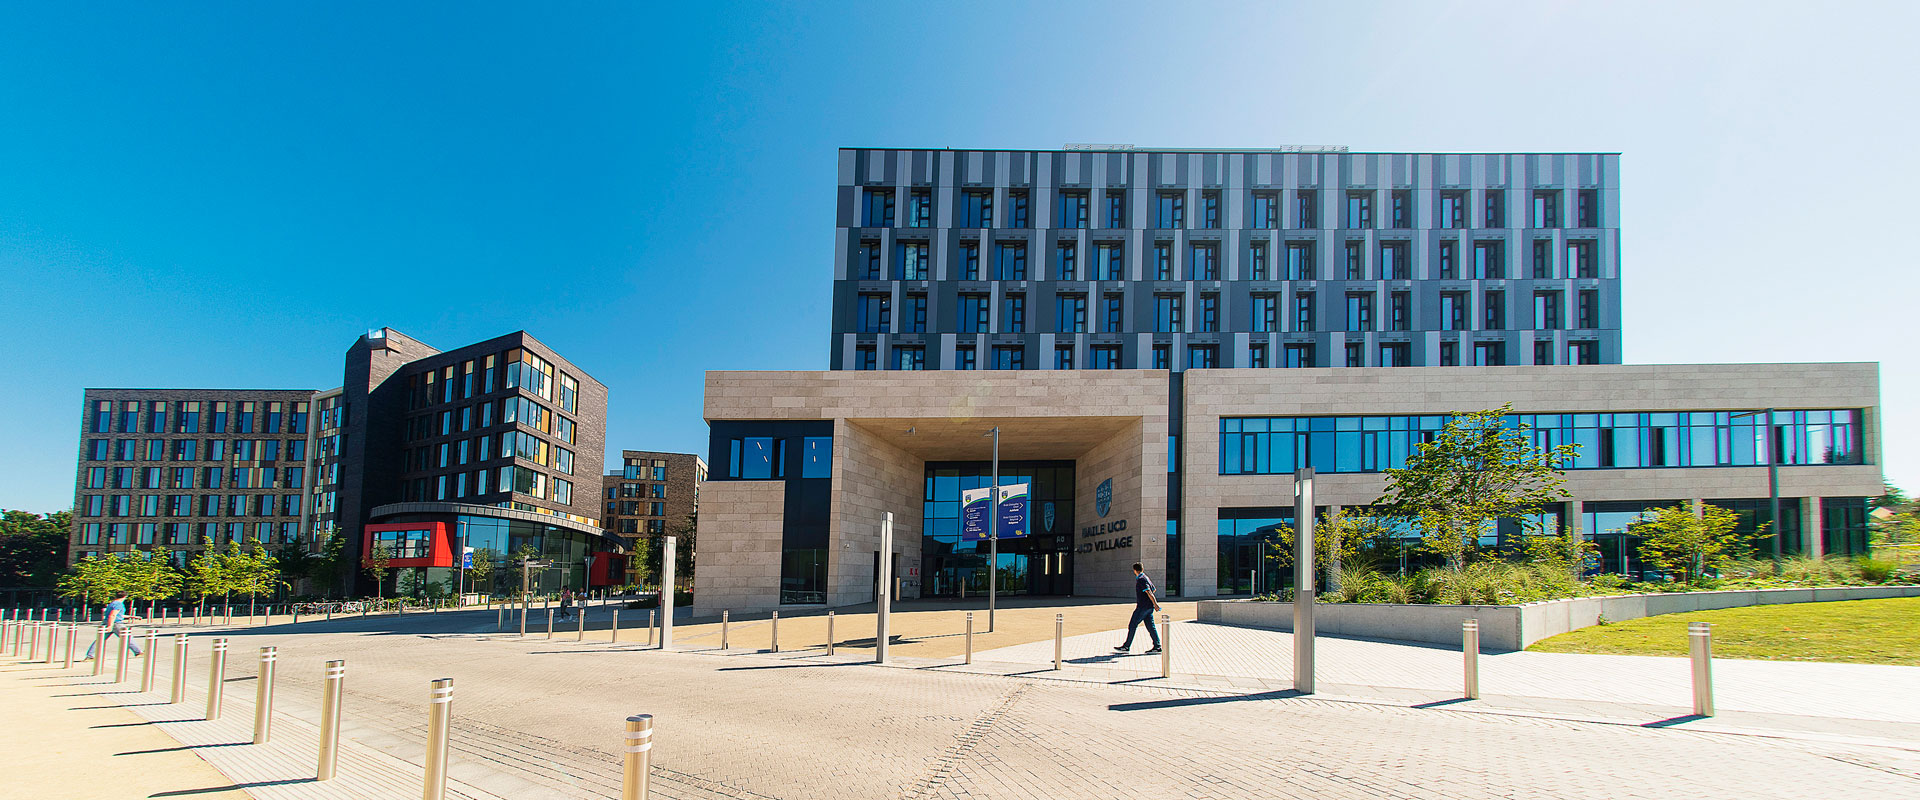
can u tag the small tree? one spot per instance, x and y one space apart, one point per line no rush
482 570
332 565
375 563
92 576
1680 543
295 562
33 547
1340 541
1476 470
209 573
254 572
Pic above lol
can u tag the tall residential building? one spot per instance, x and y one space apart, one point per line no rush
650 496
174 470
1176 259
495 446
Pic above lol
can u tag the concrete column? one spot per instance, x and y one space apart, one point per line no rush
1812 519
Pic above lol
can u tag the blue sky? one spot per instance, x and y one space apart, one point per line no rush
228 197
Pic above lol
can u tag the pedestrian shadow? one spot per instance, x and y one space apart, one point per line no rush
1205 701
231 787
1103 658
123 705
1672 721
180 748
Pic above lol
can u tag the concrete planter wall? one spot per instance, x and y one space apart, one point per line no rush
1513 627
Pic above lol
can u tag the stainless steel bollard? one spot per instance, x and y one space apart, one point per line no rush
330 719
969 637
147 662
615 630
99 650
581 635
639 760
1470 651
263 696
776 632
53 641
549 623
723 629
73 638
439 716
1059 634
179 692
1166 646
651 630
33 642
124 651
1700 647
216 678
829 633
499 618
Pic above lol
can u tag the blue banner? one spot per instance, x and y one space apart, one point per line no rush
1013 513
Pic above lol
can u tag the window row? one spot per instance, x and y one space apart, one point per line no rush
1279 445
654 468
518 368
512 444
632 508
249 450
187 505
1390 260
1267 312
1208 356
187 416
520 480
194 477
639 490
760 458
1264 208
214 534
522 410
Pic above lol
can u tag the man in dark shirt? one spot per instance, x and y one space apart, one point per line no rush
1144 605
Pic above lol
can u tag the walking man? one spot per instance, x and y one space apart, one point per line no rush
116 622
1144 604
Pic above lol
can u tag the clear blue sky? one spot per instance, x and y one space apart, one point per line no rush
227 195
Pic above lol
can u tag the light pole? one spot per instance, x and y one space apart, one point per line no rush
993 530
1773 480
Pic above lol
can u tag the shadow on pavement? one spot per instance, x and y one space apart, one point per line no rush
1204 701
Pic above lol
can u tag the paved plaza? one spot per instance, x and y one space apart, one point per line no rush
539 718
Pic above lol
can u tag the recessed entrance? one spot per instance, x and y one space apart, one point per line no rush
1040 564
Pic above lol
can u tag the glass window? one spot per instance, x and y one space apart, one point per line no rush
876 313
1210 209
1495 307
1114 314
1105 356
1449 260
877 210
974 313
1074 209
1070 313
1359 209
1494 212
1453 311
1166 313
1162 261
816 457
1257 266
1066 262
1266 313
1453 209
1209 313
911 262
1204 262
1299 355
1306 208
920 209
1010 263
1266 210
1546 209
1402 212
978 212
1487 261
1170 209
909 358
965 358
1580 259
1203 356
1356 264
1009 357
1303 311
1300 261
1108 263
1063 356
1393 261
867 261
1017 209
1116 208
1360 312
1014 313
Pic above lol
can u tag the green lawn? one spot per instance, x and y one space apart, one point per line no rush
1861 631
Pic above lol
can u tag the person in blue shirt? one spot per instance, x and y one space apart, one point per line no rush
116 621
1144 605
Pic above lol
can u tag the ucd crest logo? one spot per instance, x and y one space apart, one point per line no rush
1046 515
1103 497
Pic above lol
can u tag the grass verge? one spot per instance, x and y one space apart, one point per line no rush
1858 631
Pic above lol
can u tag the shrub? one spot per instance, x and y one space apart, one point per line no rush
1876 570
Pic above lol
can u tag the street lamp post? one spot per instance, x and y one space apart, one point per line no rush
993 531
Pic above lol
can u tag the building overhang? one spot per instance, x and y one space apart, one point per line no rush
599 536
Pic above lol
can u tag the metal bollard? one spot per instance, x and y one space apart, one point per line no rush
53 641
267 621
179 692
1700 647
776 632
969 637
723 630
549 623
615 630
581 635
330 719
651 630
639 761
1059 634
216 678
125 650
73 637
263 696
1470 652
147 661
829 633
33 642
439 715
1166 646
99 650
499 618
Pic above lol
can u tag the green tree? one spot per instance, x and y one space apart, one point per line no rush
209 573
1340 540
142 575
517 566
685 533
376 564
481 573
32 547
255 571
332 564
295 562
1476 470
1894 525
1680 543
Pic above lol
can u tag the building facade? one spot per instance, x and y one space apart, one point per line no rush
174 471
496 446
653 494
807 463
1076 259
